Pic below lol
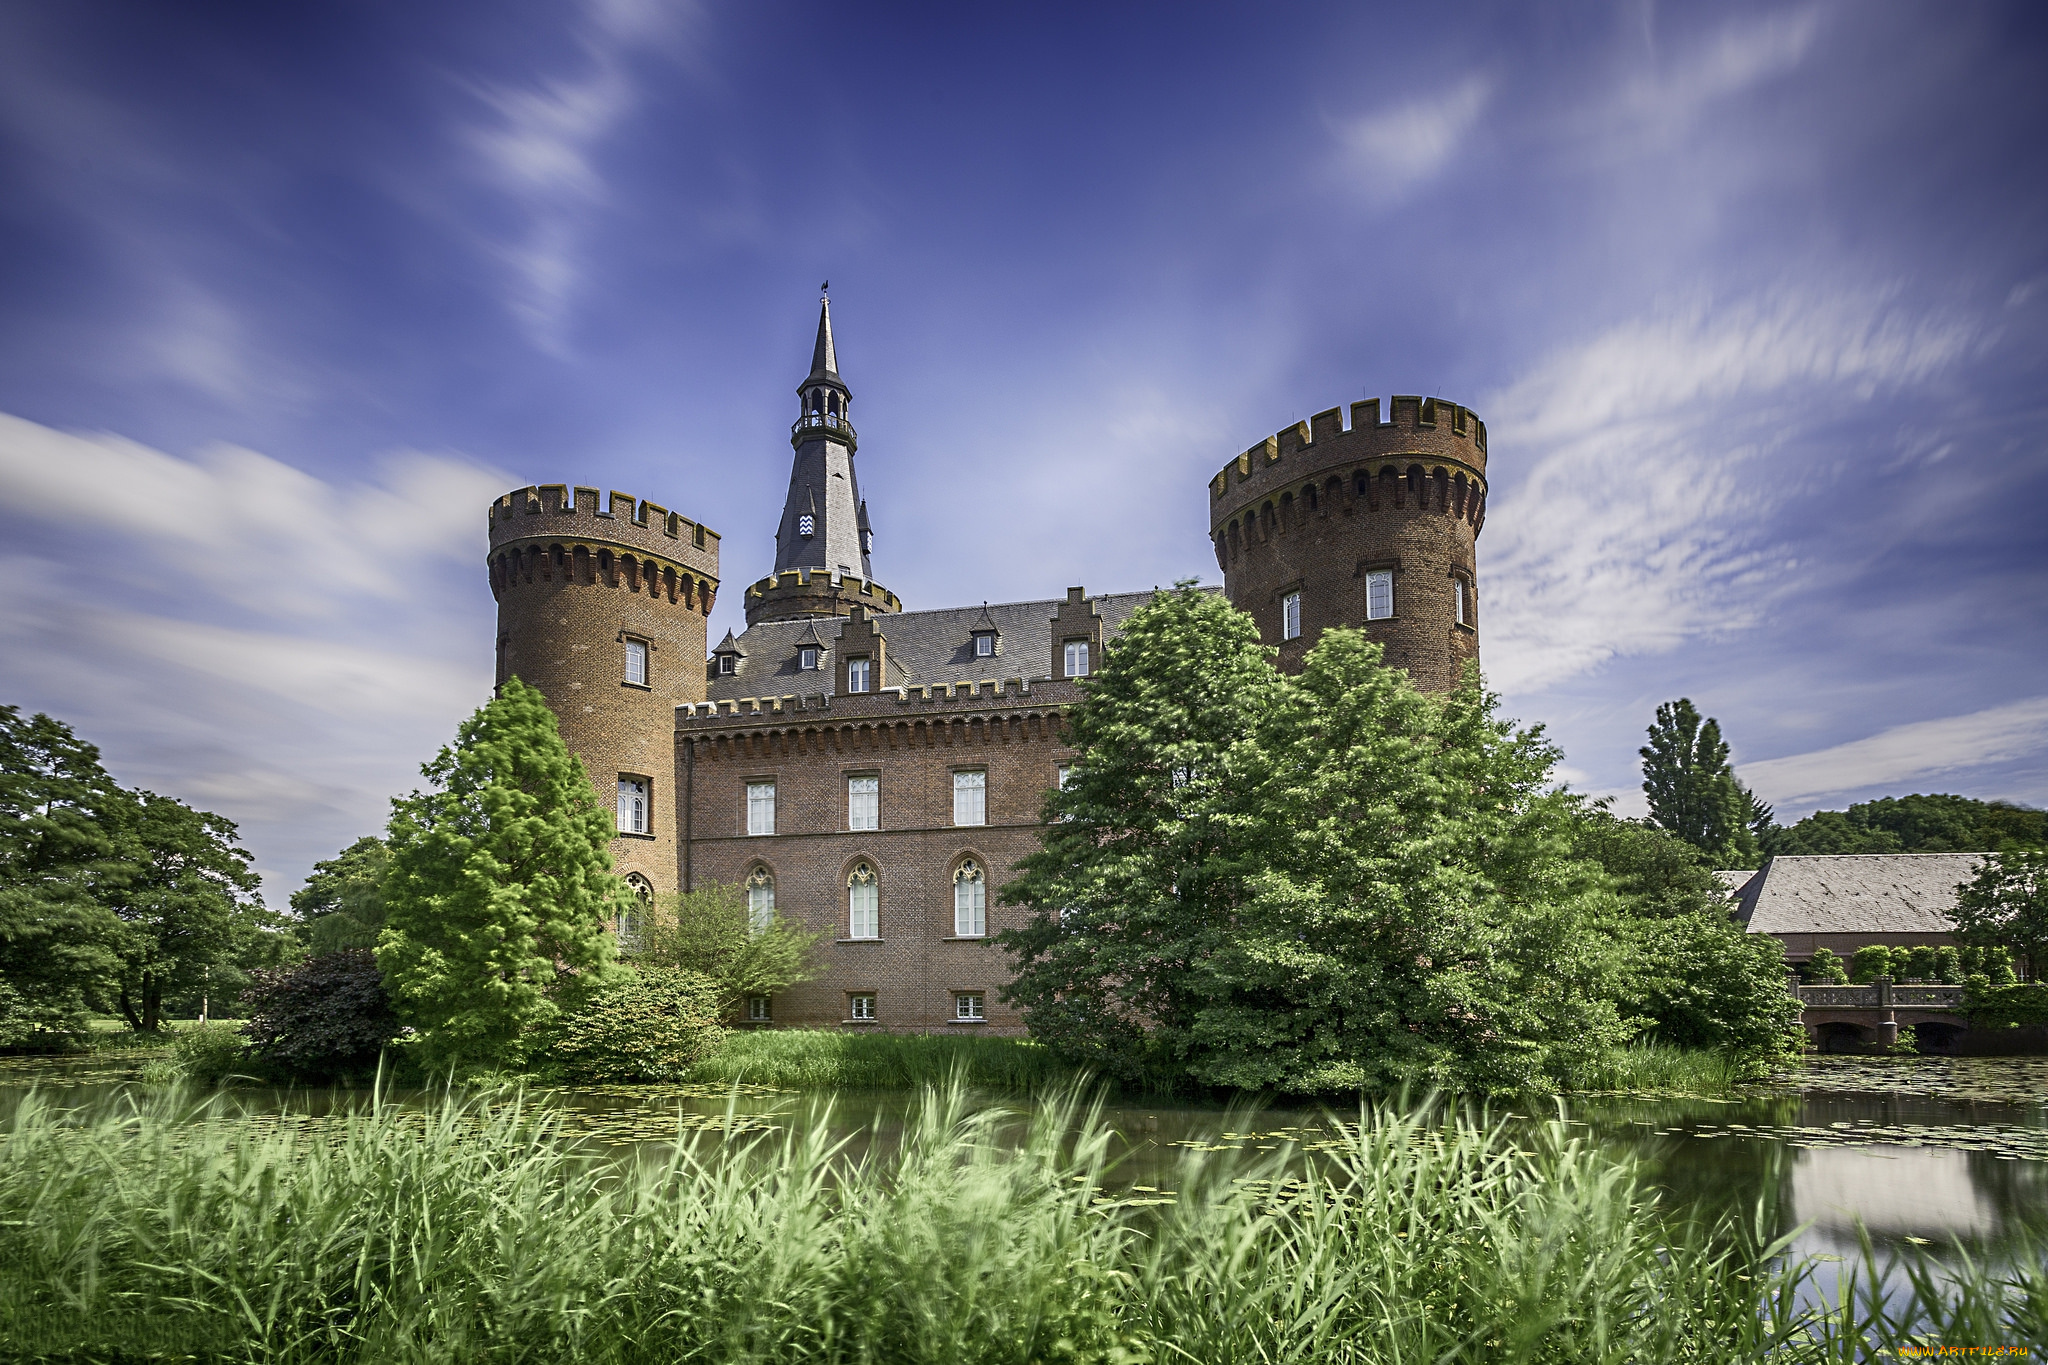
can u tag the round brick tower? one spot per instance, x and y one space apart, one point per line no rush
604 612
1318 526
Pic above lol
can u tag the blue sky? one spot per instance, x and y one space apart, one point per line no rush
1753 299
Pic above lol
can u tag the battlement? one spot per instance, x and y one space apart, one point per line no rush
555 511
1415 425
808 592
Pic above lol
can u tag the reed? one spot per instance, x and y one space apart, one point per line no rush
467 1232
1652 1068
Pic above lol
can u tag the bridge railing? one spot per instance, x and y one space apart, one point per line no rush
1881 994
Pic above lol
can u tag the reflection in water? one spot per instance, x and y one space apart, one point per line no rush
1897 1192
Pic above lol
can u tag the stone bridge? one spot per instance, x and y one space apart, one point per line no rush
1851 1018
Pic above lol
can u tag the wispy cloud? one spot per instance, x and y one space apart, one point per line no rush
540 147
1906 753
1390 151
278 647
1639 526
1737 57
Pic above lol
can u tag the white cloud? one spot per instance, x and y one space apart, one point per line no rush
246 526
1391 151
1635 530
242 635
539 149
1741 55
1905 753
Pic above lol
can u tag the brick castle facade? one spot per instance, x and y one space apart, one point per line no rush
875 772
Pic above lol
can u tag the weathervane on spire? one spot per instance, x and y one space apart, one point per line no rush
825 288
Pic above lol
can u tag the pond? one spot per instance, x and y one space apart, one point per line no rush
1935 1153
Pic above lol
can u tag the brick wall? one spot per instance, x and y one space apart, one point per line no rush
914 746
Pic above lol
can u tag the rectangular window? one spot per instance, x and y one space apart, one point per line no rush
632 805
807 657
968 1007
636 662
1066 772
863 803
1290 616
1379 595
984 646
970 798
728 664
860 1007
1077 658
757 1009
760 808
1458 586
858 675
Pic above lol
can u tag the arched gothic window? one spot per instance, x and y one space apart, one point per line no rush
632 924
863 902
970 900
760 899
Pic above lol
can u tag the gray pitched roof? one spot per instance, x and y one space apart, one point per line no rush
1849 893
924 647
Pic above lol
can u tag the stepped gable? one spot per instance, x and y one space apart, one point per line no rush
926 648
1856 893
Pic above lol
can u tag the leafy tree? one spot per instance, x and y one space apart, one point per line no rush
1994 963
57 958
1825 969
1691 973
708 931
1692 790
1915 824
327 1017
500 888
1147 849
186 899
342 903
1870 962
1310 885
2005 905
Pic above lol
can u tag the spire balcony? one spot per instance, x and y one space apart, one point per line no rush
831 425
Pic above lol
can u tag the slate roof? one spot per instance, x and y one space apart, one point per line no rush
924 647
1851 893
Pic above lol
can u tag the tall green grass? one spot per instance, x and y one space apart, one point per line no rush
469 1234
822 1059
1660 1068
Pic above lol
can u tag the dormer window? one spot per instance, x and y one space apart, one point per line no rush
807 525
984 644
859 675
807 657
728 664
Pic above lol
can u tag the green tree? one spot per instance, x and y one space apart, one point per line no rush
57 958
341 906
708 931
500 889
2005 905
1870 962
1692 790
1147 849
1914 824
187 903
1311 885
1419 912
1689 972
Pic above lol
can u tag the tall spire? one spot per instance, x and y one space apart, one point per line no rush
824 362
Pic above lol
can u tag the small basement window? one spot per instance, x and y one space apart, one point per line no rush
757 1009
860 1008
969 1007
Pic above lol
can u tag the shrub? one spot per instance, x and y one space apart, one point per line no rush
649 1023
1993 961
1919 964
323 1019
206 1055
1870 962
1907 1044
2006 1006
1825 969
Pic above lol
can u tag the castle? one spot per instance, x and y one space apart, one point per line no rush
874 772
